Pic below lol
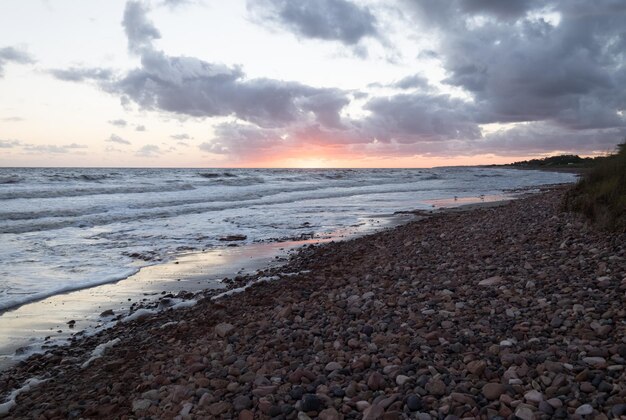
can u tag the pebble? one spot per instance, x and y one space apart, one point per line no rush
386 326
492 391
584 410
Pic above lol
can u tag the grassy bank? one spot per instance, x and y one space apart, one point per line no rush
601 193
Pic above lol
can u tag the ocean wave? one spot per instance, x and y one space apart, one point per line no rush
56 193
63 177
212 175
10 179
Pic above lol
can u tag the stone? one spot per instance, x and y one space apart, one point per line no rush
242 402
402 379
332 366
413 402
533 396
329 414
224 329
476 367
492 391
436 387
596 362
491 281
311 402
219 408
246 415
584 410
375 381
141 404
524 412
373 412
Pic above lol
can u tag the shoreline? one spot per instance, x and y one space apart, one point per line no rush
28 329
335 292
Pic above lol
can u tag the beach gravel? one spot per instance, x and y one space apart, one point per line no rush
515 311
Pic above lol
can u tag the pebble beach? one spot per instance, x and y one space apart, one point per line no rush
510 311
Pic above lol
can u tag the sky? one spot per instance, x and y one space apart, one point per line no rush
309 83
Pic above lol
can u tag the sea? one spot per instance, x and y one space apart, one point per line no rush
63 229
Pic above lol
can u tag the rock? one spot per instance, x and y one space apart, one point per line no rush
373 412
219 408
556 322
533 396
618 410
524 412
224 329
311 402
329 414
491 281
402 379
186 409
242 402
141 404
362 405
476 367
246 415
331 366
492 391
584 410
108 312
413 402
375 381
231 238
597 362
436 387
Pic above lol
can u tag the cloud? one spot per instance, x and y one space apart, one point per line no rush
114 138
9 144
192 87
78 74
549 72
149 150
412 82
13 119
566 70
54 148
140 32
182 136
140 128
119 123
13 55
334 20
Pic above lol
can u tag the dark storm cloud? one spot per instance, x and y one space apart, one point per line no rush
13 55
81 74
189 86
335 20
503 9
569 72
420 117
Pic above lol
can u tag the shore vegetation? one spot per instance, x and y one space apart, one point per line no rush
601 192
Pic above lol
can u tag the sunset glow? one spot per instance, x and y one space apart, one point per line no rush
289 85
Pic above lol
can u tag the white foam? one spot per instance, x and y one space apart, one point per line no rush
184 304
138 314
242 288
99 351
10 402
